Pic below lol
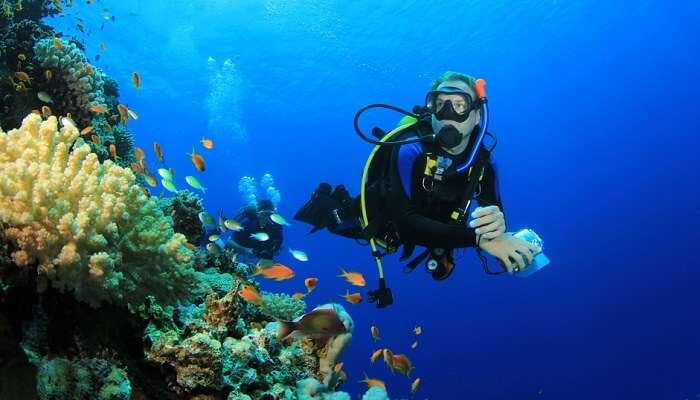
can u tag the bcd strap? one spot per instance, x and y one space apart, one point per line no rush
417 260
407 251
460 212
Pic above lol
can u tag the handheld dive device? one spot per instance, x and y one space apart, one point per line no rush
540 260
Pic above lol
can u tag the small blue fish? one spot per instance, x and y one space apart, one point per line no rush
278 219
222 222
165 173
299 255
169 185
213 248
233 225
260 236
192 181
207 219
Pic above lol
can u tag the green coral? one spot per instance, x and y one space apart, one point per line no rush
282 306
184 208
85 379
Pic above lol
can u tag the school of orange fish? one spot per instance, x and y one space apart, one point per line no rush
276 271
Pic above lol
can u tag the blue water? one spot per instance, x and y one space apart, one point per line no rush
595 106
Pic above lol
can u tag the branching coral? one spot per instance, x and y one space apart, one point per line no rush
75 84
282 306
84 379
88 226
185 207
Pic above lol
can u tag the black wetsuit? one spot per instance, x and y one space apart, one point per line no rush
254 221
423 218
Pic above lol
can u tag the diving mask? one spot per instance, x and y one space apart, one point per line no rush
454 105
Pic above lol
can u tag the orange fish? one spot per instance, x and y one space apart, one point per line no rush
48 74
96 139
197 160
23 76
86 130
98 108
158 151
389 359
136 80
188 244
113 151
57 43
414 385
207 143
150 179
338 367
45 111
123 113
136 168
414 344
250 294
371 382
298 295
354 278
352 298
310 284
139 154
417 330
375 355
402 364
375 332
278 272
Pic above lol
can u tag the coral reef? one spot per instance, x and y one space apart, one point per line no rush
87 226
184 208
86 379
282 306
17 54
75 83
101 297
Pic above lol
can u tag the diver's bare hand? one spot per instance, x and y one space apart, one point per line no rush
510 251
488 221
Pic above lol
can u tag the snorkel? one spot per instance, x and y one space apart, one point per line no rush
422 114
480 87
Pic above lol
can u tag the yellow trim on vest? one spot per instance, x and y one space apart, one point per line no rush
430 164
363 203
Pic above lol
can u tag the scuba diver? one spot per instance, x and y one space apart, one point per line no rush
259 236
418 184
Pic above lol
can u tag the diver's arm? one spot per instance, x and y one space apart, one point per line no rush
417 229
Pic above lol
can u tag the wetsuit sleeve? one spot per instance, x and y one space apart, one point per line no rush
414 227
490 194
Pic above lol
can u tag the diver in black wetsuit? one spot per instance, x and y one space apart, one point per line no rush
423 189
255 221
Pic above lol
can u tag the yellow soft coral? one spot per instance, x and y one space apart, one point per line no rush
87 226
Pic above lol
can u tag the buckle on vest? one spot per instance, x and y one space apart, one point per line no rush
432 183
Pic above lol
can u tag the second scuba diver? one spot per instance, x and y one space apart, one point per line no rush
419 190
259 236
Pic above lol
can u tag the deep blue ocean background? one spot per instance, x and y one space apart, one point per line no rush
596 108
